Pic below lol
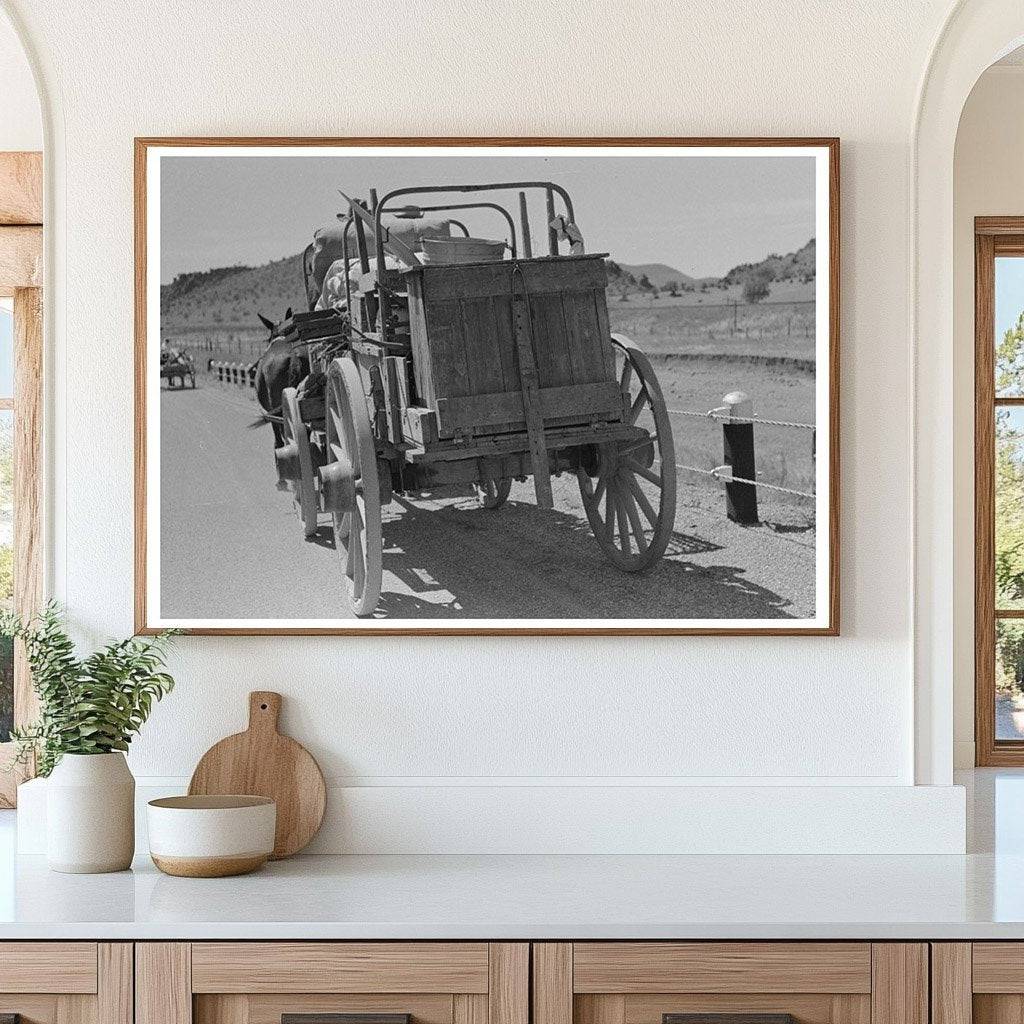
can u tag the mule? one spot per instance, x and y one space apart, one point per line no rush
281 366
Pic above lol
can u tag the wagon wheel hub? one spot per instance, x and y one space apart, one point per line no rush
287 458
339 486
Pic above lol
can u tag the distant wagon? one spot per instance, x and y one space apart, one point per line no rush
177 367
453 363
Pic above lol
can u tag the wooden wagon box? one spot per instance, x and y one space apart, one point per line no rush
463 325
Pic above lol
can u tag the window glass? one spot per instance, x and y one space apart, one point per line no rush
1009 507
1009 327
1009 679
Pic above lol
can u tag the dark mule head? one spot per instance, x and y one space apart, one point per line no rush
275 329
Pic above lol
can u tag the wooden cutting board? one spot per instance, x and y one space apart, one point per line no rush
262 762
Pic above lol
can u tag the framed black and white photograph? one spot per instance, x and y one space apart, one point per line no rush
487 386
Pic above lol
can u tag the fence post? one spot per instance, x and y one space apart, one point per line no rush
738 442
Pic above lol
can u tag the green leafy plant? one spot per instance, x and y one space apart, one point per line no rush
90 705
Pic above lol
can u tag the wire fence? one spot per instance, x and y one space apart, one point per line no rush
726 415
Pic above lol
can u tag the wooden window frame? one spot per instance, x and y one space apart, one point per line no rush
993 236
21 277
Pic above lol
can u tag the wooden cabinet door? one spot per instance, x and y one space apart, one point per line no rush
66 982
977 983
306 982
736 982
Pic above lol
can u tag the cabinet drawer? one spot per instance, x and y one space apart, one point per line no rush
981 982
340 967
66 982
48 967
262 982
735 982
629 967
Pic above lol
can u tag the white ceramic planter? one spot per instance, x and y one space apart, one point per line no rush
90 814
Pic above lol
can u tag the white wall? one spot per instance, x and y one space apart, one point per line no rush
446 712
21 125
988 181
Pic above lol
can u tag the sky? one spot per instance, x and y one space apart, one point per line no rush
1009 293
701 215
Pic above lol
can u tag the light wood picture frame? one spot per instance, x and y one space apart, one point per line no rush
437 430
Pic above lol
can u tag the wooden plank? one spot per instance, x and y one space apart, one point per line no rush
542 276
998 967
578 401
600 1009
21 258
421 425
550 346
851 1009
532 410
163 983
467 1008
951 983
505 444
115 1002
552 983
76 1009
483 356
899 983
722 967
508 992
21 188
421 362
67 967
447 350
339 967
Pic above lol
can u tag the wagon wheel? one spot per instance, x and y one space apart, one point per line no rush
351 487
492 493
303 486
630 497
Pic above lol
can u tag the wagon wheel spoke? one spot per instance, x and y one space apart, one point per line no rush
602 486
647 474
641 400
609 511
624 534
629 503
639 498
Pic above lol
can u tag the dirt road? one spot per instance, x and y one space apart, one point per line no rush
232 546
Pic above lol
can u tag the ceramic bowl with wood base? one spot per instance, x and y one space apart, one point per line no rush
211 836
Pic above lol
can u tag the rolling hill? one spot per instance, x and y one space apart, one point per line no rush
659 274
231 297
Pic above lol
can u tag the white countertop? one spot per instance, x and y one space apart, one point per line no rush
978 896
531 897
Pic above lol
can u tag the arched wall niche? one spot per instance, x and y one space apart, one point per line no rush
976 34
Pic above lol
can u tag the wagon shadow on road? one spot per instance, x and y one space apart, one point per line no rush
522 562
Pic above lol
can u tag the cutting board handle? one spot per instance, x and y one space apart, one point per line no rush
264 711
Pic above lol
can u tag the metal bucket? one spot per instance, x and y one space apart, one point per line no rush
463 250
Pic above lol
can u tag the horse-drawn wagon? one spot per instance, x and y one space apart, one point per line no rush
436 372
177 365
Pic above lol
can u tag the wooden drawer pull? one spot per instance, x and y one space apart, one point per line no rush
338 1018
728 1018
